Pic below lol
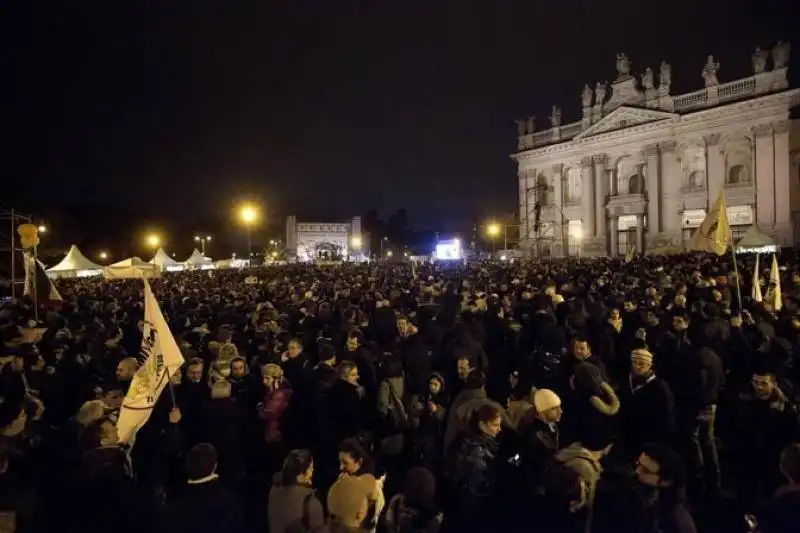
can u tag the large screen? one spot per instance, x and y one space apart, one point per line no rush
448 250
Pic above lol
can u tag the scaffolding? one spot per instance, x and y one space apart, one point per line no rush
11 219
533 211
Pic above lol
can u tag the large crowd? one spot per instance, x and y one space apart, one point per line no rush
570 395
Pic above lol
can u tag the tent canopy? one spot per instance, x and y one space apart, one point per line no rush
74 261
131 261
755 238
162 259
197 259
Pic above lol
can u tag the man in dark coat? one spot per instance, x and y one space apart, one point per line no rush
206 505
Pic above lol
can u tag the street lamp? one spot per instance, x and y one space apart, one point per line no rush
389 253
202 241
384 240
493 230
249 215
103 256
42 228
153 240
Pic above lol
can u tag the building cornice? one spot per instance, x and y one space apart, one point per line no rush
763 109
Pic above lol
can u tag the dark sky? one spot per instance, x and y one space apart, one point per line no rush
175 109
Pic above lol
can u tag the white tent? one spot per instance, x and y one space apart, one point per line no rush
130 262
131 268
198 260
162 260
75 264
755 241
143 271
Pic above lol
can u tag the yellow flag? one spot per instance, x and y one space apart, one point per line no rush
629 255
714 234
774 295
756 289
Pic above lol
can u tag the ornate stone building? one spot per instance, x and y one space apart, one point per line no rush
310 241
643 166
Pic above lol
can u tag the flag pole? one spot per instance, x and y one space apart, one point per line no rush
735 268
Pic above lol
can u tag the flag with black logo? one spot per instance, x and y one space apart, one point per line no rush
38 285
714 234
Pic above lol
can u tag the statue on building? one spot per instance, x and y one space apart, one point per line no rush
665 77
600 93
710 72
531 124
623 65
586 96
780 54
759 59
520 127
647 78
555 117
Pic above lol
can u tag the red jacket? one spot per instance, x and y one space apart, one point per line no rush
275 403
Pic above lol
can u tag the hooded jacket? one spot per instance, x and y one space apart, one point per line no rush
581 461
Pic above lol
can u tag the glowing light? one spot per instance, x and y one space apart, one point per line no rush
577 233
493 230
42 229
153 240
103 255
356 242
503 258
248 213
389 253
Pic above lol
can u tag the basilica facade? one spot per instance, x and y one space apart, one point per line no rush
643 166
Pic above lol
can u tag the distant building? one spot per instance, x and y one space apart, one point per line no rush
643 166
311 241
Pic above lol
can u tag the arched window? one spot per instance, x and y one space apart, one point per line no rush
697 180
738 175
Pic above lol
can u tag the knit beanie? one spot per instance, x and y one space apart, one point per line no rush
544 399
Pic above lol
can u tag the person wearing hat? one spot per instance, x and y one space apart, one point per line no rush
539 435
648 405
348 504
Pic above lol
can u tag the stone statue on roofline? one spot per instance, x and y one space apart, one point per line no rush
710 72
623 66
759 58
586 96
665 76
555 117
520 127
531 124
647 78
780 54
600 93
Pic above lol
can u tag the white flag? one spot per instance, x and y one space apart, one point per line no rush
159 358
774 295
756 290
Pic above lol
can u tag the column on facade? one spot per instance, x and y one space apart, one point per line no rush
765 177
654 192
613 226
558 205
524 230
715 167
783 176
640 234
587 200
600 192
671 180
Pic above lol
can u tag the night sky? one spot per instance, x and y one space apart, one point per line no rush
169 111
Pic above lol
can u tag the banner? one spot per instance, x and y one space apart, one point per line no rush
159 358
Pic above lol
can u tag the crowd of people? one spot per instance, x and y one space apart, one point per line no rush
575 395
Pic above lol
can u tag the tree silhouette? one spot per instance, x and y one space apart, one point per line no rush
373 230
399 229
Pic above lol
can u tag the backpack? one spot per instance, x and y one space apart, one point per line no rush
398 417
